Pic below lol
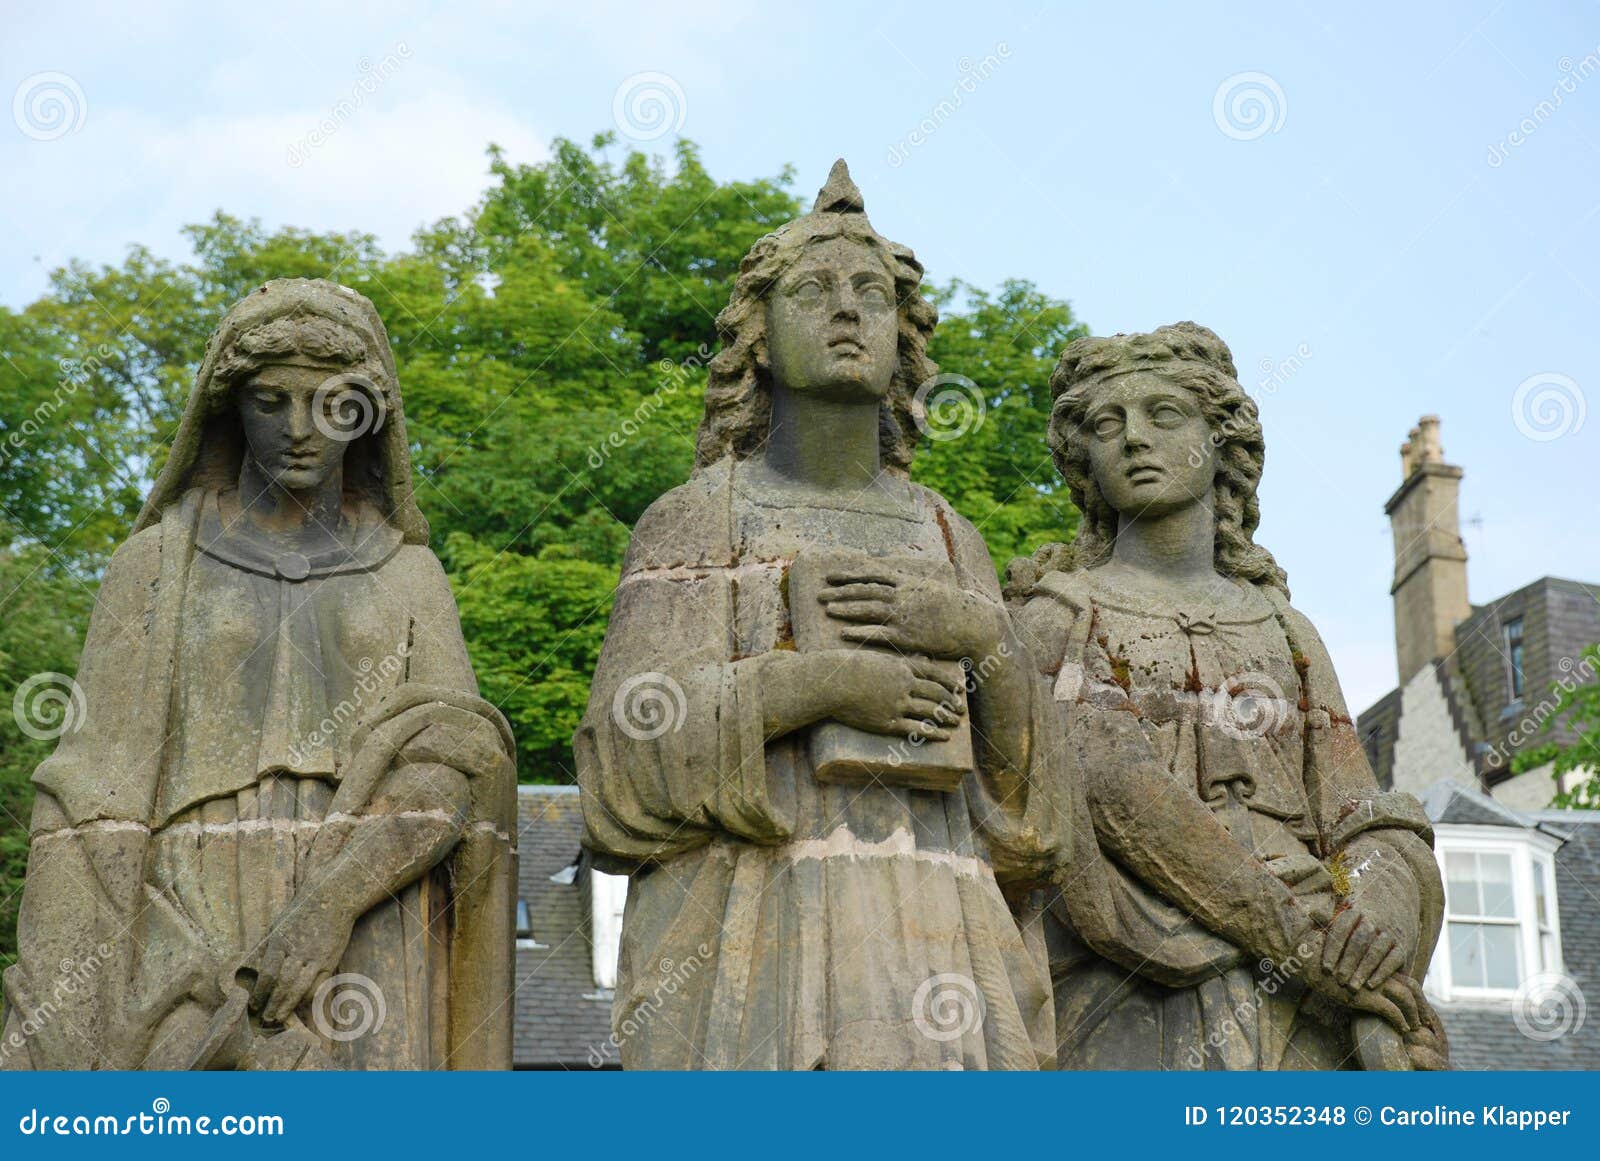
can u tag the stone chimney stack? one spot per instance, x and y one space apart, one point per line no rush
1430 561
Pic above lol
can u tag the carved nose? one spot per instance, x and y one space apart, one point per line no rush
299 422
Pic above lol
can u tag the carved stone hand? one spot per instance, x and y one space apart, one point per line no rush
304 946
885 693
1358 953
871 689
913 614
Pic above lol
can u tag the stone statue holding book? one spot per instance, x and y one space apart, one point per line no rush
1240 894
281 835
812 740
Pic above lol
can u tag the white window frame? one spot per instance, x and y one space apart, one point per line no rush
1531 852
608 894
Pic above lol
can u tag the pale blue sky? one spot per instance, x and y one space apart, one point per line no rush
1365 224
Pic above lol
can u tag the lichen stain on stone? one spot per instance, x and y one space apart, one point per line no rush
1339 872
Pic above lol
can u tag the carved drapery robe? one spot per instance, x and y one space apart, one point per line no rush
774 921
1220 776
180 882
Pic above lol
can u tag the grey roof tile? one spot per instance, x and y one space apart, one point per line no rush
562 1020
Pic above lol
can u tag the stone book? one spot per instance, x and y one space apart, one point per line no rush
849 756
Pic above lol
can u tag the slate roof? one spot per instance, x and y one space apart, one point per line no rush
1445 805
560 1015
1377 728
1485 1035
1561 618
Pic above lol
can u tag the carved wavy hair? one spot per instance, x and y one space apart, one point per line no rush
306 336
738 412
1192 357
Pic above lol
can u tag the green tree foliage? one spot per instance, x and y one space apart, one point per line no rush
662 246
45 610
997 471
539 674
551 342
1576 706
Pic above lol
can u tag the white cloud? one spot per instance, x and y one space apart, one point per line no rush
382 168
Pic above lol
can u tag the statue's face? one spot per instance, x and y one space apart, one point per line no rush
293 446
832 326
1150 449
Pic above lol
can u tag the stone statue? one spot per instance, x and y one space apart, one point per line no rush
281 837
1240 894
770 738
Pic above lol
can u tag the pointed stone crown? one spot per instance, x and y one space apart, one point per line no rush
839 194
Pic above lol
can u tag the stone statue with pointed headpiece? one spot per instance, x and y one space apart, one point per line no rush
812 741
279 836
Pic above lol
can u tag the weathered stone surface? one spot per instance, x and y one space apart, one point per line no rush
1240 894
775 920
281 836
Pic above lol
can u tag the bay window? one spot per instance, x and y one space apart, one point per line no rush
1501 924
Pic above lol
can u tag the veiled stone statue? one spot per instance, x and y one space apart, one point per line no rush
817 805
281 836
1240 895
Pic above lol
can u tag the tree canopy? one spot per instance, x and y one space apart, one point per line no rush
1574 765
